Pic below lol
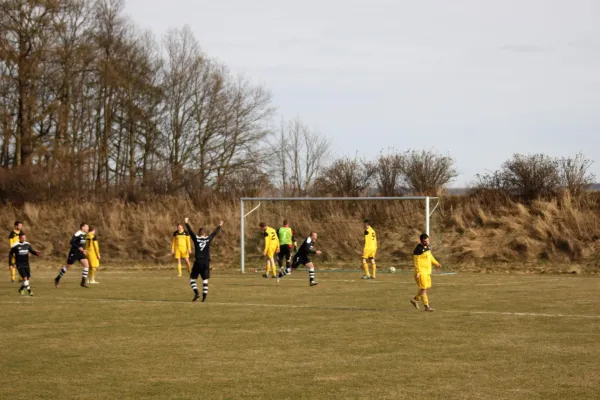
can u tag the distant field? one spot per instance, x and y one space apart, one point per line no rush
137 335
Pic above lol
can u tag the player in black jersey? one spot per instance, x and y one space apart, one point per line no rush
76 253
202 255
19 253
302 257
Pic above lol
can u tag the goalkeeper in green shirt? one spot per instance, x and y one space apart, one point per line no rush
287 242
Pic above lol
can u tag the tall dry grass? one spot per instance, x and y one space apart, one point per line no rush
465 232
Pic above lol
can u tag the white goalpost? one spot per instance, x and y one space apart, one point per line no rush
243 214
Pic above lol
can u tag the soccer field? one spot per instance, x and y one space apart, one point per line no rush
137 335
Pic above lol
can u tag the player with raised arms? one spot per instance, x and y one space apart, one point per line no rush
302 257
202 255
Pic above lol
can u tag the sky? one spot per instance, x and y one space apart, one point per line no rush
479 80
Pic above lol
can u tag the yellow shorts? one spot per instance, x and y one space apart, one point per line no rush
369 253
179 253
271 252
94 263
13 260
424 281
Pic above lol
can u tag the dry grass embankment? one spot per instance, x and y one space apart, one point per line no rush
467 233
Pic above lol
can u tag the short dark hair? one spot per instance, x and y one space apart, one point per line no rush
262 224
285 221
82 225
21 234
367 221
200 231
424 236
92 228
17 223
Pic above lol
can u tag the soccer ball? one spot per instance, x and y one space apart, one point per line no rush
392 270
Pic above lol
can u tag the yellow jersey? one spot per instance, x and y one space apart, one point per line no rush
370 239
271 239
92 248
423 259
181 241
13 237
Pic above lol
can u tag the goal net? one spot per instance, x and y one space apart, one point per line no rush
398 222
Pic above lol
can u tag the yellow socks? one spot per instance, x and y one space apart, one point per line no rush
189 270
92 274
274 267
178 269
13 274
374 270
268 269
366 267
425 300
417 297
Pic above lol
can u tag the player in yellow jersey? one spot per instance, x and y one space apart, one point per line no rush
369 251
423 260
271 248
13 238
181 247
92 252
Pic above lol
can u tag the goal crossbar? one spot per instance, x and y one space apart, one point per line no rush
427 200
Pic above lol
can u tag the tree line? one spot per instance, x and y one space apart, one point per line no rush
93 107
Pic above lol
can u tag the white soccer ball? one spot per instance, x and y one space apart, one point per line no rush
392 270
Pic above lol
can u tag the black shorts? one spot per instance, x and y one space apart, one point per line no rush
202 268
74 257
24 271
300 260
285 252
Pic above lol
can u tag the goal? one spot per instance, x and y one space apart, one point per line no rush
423 209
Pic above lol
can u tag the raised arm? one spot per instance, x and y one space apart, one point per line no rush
217 230
189 229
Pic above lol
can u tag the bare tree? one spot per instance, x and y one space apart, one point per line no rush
574 174
425 172
388 172
346 177
299 155
538 176
25 33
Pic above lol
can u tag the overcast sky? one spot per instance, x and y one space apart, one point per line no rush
476 79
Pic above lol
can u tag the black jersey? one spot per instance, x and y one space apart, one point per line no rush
77 241
21 253
306 249
202 243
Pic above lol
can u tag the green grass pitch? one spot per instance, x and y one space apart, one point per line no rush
137 335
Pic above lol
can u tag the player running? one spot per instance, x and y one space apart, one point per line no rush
302 257
92 249
202 254
271 247
369 251
76 253
13 237
19 256
287 241
423 260
181 247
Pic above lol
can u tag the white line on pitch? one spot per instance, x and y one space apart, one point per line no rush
307 306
